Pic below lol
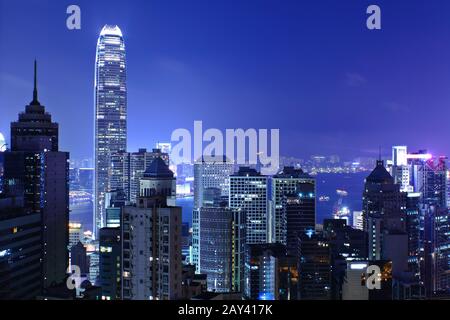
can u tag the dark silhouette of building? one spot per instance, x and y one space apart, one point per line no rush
38 172
384 211
270 274
293 196
20 251
314 268
346 244
79 258
110 263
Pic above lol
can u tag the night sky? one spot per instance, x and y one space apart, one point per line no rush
310 68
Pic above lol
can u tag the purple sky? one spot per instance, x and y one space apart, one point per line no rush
309 68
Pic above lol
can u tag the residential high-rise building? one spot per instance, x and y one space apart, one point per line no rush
249 193
110 112
293 201
38 172
209 172
151 233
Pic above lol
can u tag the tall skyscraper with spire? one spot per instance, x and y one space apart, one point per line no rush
110 111
37 177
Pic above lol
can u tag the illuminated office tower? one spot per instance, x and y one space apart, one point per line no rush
119 174
151 233
269 273
37 171
110 112
294 199
222 239
249 193
414 223
208 173
400 169
127 168
358 220
429 177
211 173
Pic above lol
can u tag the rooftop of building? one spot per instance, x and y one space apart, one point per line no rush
158 169
380 174
111 30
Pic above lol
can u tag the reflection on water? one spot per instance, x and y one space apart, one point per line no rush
82 212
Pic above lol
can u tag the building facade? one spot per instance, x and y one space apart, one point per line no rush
249 193
110 112
151 233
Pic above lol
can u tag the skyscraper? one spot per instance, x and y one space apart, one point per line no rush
110 111
400 169
151 233
222 239
314 267
384 212
249 193
429 179
208 173
270 274
38 172
293 205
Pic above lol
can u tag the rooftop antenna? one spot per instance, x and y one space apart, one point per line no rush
35 93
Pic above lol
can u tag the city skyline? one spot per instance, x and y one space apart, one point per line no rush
348 199
233 73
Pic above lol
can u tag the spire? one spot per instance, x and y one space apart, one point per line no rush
35 94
